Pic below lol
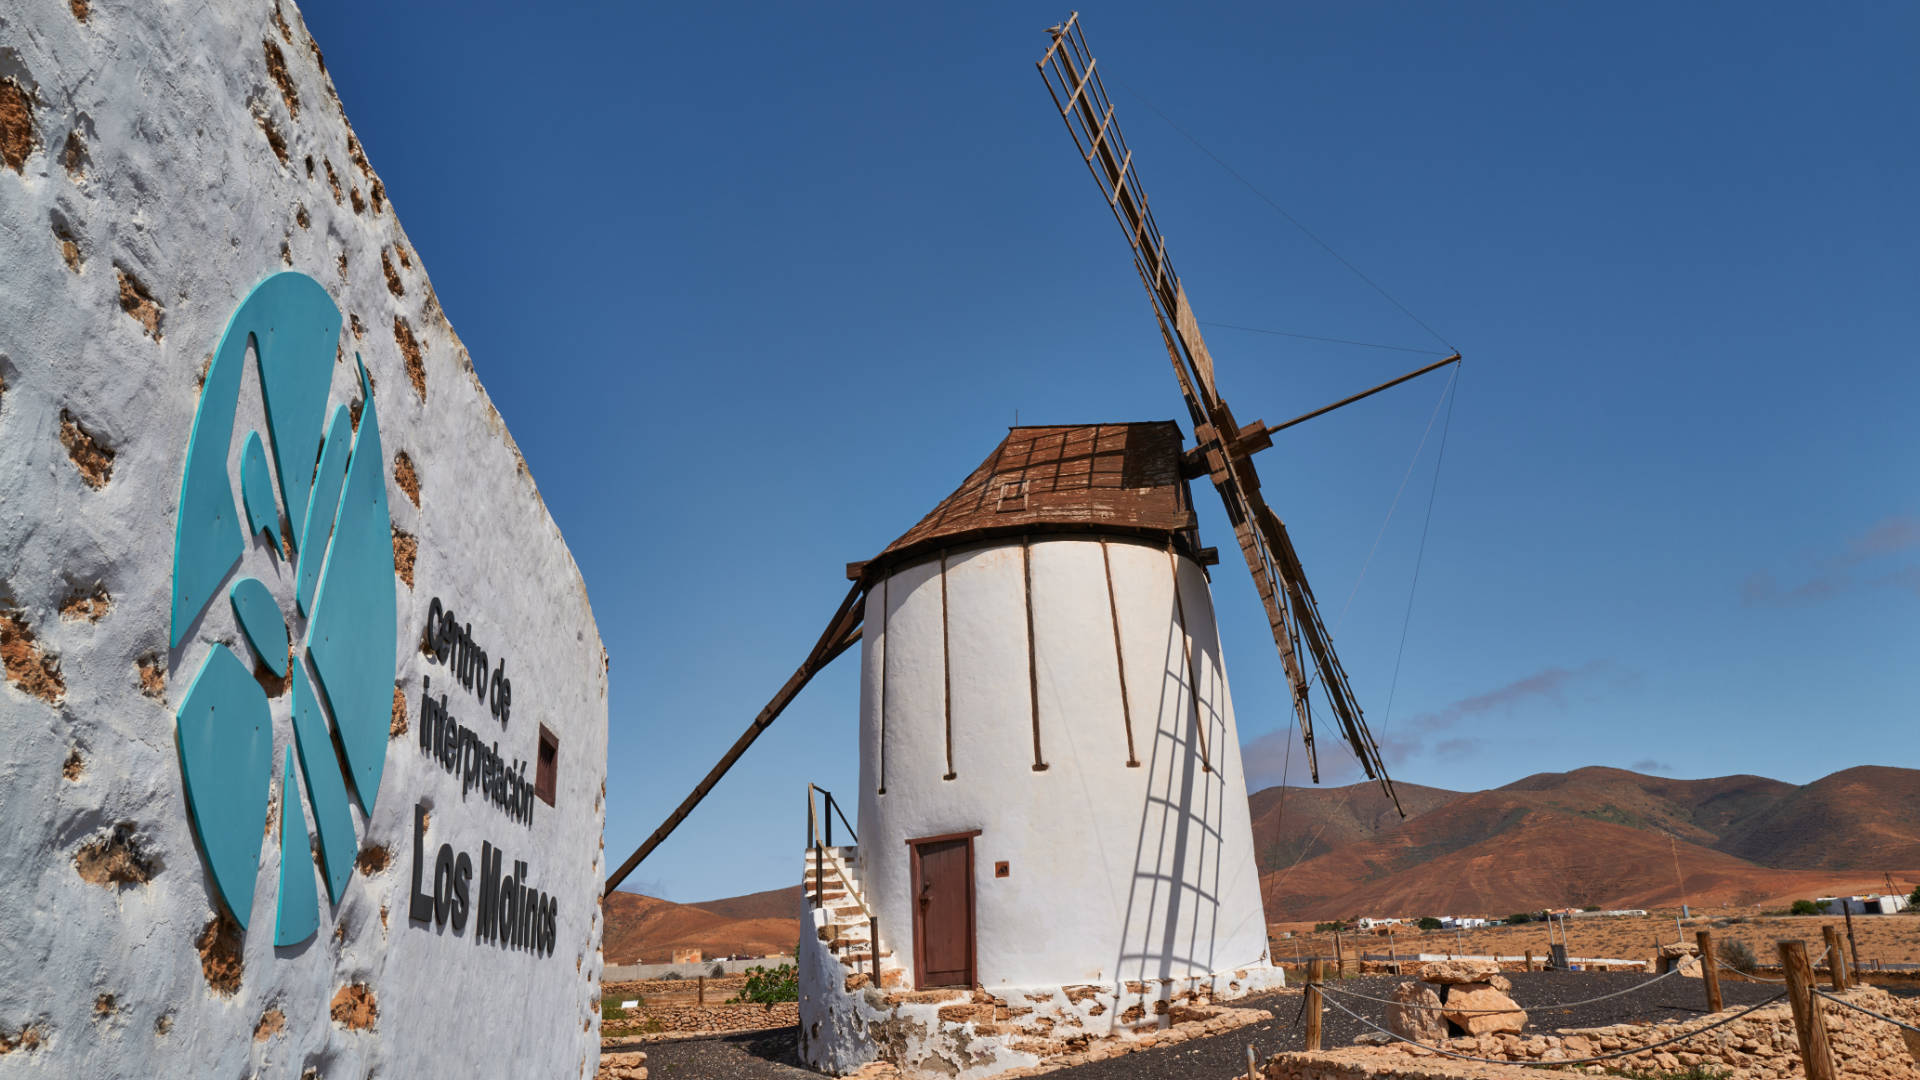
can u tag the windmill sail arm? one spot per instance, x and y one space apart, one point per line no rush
1222 447
842 632
1333 676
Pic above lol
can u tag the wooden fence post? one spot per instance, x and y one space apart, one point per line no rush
1339 956
1529 959
1836 958
1709 969
1315 972
702 992
1809 1023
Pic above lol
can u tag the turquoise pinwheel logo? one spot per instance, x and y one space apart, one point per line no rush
326 474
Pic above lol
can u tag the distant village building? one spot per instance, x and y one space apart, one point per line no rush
688 956
1885 904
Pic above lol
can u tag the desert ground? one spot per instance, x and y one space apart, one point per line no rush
1890 939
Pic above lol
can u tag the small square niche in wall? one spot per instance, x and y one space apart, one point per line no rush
1000 869
546 772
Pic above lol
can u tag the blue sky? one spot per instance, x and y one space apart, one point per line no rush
756 287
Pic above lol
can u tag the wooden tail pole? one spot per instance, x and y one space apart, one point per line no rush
1316 970
1709 970
1836 959
701 998
1809 1023
1339 956
840 635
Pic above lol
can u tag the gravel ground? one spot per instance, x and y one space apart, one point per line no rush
771 1055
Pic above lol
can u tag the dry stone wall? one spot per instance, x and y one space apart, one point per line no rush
160 163
1759 1046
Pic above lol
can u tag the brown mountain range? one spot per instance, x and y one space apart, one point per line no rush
1593 836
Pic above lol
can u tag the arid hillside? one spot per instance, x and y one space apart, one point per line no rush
1596 837
1592 837
642 929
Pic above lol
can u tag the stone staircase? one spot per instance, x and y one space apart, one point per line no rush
842 919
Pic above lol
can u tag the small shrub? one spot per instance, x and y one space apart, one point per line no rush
718 971
1806 907
610 1010
1429 923
1737 955
765 987
1914 900
671 975
1333 927
1591 907
1519 917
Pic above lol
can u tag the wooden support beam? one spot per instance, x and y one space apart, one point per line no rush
1836 958
1316 971
1709 970
1809 1022
840 635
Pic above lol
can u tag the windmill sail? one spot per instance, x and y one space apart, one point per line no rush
1224 448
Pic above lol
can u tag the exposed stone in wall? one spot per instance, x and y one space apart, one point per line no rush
406 477
277 71
75 766
69 244
73 156
105 1005
92 457
86 606
275 141
79 9
272 1022
118 858
220 958
393 276
405 550
139 304
28 1038
410 352
18 137
152 677
27 666
354 1008
373 858
398 725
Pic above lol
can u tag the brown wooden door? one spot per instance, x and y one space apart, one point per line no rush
943 911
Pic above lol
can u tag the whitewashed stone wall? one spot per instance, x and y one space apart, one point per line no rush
158 161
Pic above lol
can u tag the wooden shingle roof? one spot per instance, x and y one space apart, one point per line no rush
1119 479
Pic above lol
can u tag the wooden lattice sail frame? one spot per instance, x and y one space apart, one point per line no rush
1224 448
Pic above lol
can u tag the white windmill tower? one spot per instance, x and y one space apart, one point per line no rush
1054 836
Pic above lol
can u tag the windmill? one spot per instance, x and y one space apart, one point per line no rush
1050 791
